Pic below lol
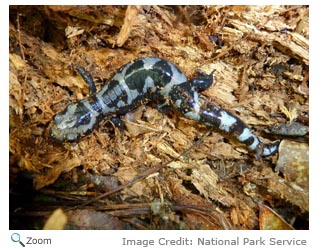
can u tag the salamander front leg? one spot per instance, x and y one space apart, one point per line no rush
88 79
116 121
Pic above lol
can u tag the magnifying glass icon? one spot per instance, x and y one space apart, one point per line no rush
15 237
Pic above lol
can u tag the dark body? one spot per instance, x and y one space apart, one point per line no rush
158 80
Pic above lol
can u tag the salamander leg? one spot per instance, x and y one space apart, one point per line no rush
164 108
88 79
116 121
203 81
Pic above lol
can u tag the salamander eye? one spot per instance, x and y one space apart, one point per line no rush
84 119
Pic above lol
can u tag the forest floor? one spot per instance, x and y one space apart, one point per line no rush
163 171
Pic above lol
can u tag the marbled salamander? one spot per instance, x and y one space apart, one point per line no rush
154 79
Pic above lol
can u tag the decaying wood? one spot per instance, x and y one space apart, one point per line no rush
261 66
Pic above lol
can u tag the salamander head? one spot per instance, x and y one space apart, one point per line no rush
74 122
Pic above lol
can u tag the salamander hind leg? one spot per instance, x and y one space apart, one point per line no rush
164 107
203 81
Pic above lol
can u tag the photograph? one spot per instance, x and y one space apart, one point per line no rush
159 117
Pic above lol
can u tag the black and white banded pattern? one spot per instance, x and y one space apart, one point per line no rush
158 80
